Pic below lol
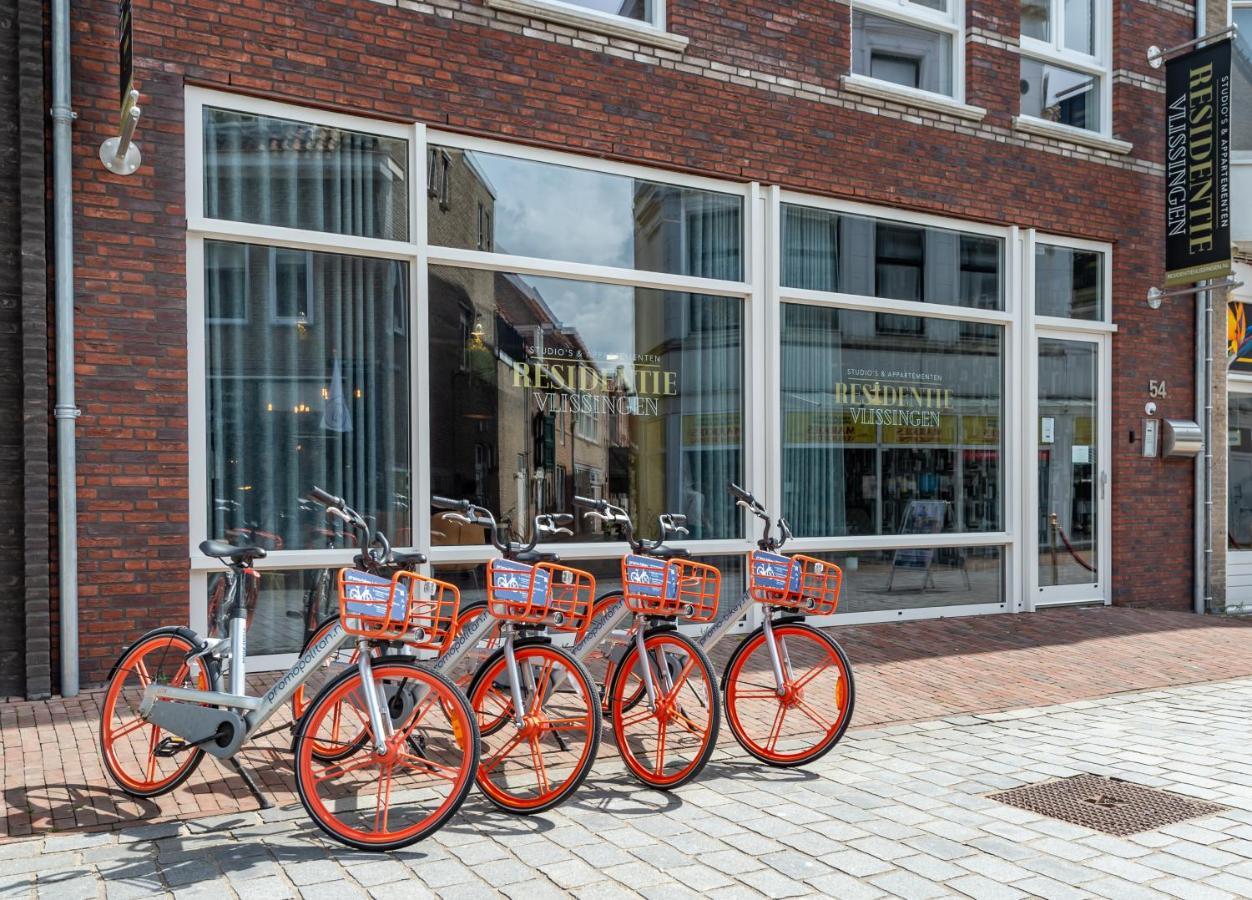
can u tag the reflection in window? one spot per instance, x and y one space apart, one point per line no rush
325 402
1069 283
639 10
558 212
1037 19
837 252
879 580
644 386
272 171
289 604
1239 484
900 53
1060 95
1241 78
1080 26
889 432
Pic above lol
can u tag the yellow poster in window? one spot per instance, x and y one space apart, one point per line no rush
712 430
980 430
944 433
825 427
1083 431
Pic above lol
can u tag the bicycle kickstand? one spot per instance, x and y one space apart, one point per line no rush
250 784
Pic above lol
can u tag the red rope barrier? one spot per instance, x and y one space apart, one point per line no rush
1072 552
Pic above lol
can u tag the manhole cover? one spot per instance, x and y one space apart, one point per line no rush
1106 804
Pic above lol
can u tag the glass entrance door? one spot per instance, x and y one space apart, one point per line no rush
1070 483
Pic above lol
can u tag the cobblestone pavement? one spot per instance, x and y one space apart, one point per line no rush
899 811
53 779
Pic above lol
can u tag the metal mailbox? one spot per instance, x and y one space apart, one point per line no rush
1182 437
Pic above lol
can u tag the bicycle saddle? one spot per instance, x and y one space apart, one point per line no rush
670 553
535 556
407 557
223 550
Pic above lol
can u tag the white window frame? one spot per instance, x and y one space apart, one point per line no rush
951 22
651 31
1011 320
1097 64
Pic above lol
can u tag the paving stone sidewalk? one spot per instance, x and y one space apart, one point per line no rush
899 811
53 779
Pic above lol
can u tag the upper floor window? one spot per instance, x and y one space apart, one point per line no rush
1241 71
639 10
1064 63
914 44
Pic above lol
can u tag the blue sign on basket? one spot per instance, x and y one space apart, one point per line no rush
774 572
367 595
647 577
510 582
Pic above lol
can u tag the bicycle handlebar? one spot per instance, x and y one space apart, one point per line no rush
767 541
376 547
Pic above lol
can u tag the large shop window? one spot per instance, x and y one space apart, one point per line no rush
890 430
1065 61
308 383
848 254
542 388
271 171
557 212
1239 488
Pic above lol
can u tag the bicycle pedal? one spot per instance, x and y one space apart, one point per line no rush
169 746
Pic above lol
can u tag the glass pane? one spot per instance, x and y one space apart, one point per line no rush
1060 95
557 212
830 251
630 9
880 580
292 174
1241 76
1069 283
901 53
1240 468
890 431
941 5
1037 19
1068 462
1080 26
289 605
308 388
543 388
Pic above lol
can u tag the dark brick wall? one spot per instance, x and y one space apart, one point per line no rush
23 281
469 69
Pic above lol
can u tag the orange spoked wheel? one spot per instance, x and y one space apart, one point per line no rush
809 716
463 673
534 767
144 760
341 742
384 801
604 658
666 745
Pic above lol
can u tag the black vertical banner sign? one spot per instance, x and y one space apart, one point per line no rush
1197 165
125 57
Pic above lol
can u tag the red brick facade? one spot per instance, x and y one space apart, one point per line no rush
756 96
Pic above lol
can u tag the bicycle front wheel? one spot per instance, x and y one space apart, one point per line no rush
803 721
531 768
665 743
141 758
384 801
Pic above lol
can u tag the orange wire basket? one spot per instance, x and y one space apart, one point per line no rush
674 587
407 607
547 594
802 583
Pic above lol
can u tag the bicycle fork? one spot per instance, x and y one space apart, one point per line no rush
380 723
779 660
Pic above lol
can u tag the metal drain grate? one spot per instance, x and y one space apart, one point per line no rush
1106 804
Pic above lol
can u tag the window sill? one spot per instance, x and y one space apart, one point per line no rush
637 32
885 90
1043 128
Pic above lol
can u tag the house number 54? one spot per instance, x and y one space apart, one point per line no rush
1156 389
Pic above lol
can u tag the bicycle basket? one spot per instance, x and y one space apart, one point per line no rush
676 587
798 582
410 607
547 594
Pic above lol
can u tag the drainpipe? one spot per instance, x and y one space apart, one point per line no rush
63 281
1203 408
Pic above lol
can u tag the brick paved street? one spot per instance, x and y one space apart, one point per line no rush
898 811
53 779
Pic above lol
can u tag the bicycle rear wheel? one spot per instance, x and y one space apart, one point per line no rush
535 767
814 709
141 758
385 801
667 745
603 659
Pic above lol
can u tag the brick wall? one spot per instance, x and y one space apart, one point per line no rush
23 355
756 96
